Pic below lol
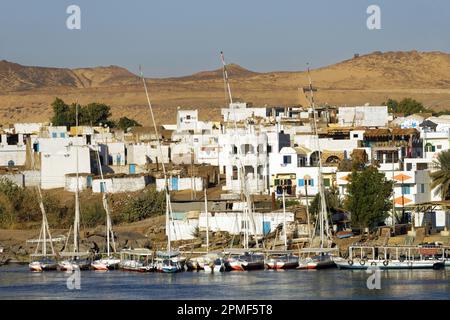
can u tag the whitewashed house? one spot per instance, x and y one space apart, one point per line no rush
363 116
244 153
61 156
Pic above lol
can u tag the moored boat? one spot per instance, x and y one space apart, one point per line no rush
287 261
45 264
140 260
320 261
169 261
104 264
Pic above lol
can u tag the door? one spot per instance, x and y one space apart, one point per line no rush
266 227
174 183
132 168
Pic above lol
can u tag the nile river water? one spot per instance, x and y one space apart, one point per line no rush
16 282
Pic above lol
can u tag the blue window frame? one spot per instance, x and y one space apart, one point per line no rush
286 159
62 135
54 134
406 189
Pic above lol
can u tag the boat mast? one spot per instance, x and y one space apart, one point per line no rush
166 183
284 221
323 219
244 195
76 228
109 230
207 222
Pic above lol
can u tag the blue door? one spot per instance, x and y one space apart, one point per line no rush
175 183
266 227
132 168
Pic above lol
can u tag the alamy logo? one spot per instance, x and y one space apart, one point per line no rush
374 20
374 281
74 281
73 22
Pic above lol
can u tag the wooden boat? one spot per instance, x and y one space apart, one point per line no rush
139 260
104 264
74 264
344 234
212 262
218 265
388 264
245 262
107 260
169 261
42 260
320 261
389 257
287 261
45 264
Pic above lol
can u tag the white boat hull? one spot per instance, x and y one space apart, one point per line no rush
383 265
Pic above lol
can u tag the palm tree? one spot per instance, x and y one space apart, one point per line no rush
441 177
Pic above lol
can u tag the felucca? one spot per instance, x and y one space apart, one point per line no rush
322 257
166 261
107 261
75 259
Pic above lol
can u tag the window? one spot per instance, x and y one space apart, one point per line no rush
286 159
235 173
422 188
310 182
269 149
188 117
406 189
235 150
408 166
439 146
422 166
54 135
276 182
326 182
355 135
62 135
301 162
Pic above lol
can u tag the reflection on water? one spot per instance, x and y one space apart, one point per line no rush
16 282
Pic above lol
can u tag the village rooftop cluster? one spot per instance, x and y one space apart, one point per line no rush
276 147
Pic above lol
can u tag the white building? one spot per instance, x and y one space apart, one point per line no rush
60 156
363 116
244 153
143 153
129 183
239 111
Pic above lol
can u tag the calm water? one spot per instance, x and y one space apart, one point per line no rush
16 282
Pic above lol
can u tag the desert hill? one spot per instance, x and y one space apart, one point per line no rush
26 92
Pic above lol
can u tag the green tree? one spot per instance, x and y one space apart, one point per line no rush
332 200
124 123
95 114
61 113
147 204
441 177
407 106
367 198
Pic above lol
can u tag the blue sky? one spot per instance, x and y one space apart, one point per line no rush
179 37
